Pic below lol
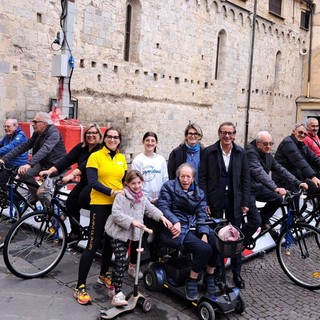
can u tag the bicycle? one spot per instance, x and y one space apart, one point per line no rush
14 202
297 245
37 242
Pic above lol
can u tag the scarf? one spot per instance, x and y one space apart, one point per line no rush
193 149
137 196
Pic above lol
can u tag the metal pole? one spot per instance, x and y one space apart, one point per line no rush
250 72
63 94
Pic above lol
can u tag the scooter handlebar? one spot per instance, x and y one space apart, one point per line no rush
147 230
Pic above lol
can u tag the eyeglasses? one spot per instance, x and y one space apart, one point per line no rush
112 137
302 133
266 144
226 133
91 133
196 134
34 122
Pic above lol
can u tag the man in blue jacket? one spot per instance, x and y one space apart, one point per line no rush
47 148
14 136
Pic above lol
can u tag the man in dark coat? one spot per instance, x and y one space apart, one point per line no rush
299 160
225 178
47 148
263 188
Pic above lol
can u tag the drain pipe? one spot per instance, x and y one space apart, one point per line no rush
311 6
250 72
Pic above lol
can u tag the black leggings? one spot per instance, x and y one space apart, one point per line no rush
120 249
97 237
78 198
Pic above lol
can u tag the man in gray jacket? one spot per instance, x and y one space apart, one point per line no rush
263 188
47 148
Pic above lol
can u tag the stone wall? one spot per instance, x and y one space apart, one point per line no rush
173 77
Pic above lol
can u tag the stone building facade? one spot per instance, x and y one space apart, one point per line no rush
185 60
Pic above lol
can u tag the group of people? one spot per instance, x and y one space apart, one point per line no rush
221 180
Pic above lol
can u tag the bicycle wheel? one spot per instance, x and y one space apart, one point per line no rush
299 255
7 220
35 244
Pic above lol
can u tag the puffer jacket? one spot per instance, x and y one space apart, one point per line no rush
260 165
9 143
297 158
179 206
124 211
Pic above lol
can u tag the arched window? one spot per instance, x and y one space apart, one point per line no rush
277 71
220 55
132 31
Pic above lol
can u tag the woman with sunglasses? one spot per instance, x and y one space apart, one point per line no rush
106 170
189 151
79 197
298 159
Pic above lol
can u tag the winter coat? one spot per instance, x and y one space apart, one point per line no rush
260 165
9 143
297 158
179 206
210 178
177 157
124 211
47 148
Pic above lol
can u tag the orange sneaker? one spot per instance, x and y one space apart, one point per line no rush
82 295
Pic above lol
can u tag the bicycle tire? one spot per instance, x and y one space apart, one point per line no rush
299 255
35 244
7 221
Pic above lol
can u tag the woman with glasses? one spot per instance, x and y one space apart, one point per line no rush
298 159
106 170
189 151
153 168
79 197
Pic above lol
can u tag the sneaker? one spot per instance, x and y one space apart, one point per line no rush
132 272
106 280
209 284
119 300
82 295
192 292
238 281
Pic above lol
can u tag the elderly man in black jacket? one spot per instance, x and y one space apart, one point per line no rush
224 176
47 148
298 159
263 188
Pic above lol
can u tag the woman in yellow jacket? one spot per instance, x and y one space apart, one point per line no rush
106 170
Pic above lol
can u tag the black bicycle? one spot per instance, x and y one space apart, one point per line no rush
14 202
297 245
37 242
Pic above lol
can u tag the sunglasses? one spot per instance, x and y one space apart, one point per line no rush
302 133
266 144
34 122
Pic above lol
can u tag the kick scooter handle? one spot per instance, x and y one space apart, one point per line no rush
147 230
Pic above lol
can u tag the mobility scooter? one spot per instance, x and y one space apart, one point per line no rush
171 271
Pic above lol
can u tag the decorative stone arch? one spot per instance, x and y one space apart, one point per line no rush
215 6
241 18
224 10
265 30
233 14
132 31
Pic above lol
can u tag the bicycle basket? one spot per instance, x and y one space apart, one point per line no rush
230 241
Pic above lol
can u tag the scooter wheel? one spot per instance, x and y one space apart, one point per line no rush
147 305
241 305
206 311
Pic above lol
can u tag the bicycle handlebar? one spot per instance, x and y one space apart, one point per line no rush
12 171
